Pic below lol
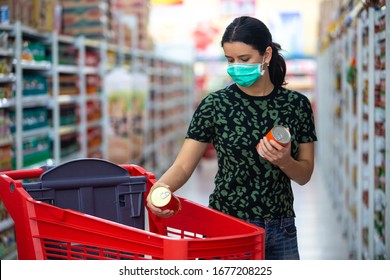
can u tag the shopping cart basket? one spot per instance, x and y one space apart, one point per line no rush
46 231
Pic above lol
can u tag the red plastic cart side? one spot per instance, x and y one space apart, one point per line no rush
25 173
14 197
189 218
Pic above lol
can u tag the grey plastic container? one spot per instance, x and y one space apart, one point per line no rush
95 187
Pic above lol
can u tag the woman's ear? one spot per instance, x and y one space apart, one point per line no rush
268 55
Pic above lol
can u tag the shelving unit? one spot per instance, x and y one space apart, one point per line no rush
29 115
72 106
171 108
7 81
61 105
354 150
76 85
66 89
69 108
379 116
366 132
7 102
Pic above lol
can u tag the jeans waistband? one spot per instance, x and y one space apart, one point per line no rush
270 221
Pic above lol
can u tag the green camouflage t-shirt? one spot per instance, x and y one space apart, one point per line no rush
246 185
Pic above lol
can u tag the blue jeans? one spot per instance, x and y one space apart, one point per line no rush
280 238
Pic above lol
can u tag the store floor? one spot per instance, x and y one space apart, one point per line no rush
319 231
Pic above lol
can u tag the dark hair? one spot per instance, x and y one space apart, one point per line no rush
254 32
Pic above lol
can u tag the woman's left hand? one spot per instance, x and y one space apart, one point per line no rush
274 152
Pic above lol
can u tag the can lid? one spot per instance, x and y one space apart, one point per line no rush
281 134
160 196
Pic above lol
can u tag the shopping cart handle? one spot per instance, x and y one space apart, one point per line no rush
32 186
136 170
78 182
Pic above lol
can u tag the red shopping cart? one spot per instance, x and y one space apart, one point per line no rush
68 217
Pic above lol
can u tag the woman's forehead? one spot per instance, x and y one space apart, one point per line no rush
238 48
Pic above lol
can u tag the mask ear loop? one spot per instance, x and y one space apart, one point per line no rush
262 70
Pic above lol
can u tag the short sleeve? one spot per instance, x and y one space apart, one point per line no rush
307 133
201 127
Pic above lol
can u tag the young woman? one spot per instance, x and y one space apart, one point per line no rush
253 181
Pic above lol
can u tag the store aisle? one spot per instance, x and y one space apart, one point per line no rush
319 230
320 234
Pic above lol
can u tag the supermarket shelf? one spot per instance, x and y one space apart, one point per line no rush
69 69
6 103
38 131
352 104
7 78
33 65
64 99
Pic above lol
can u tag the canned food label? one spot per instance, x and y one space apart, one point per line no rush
279 134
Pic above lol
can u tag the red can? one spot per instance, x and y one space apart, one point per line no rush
163 198
279 134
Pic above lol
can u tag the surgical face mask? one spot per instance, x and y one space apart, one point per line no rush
245 74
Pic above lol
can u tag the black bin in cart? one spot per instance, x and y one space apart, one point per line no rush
95 187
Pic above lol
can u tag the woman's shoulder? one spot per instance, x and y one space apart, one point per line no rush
219 94
293 94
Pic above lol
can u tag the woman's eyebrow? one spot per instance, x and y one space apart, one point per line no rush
240 56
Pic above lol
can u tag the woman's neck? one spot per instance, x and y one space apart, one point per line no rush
259 89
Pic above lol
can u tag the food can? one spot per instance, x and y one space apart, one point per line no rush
163 198
280 134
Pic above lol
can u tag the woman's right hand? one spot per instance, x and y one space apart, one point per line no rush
166 213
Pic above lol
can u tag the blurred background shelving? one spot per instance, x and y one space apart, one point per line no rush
352 100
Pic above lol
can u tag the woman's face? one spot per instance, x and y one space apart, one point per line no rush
238 52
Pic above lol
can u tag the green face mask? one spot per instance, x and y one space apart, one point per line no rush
245 74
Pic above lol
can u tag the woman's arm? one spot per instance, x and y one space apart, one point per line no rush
184 165
181 170
298 170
